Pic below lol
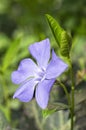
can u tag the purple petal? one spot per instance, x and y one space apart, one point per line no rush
27 69
56 67
41 52
25 92
43 91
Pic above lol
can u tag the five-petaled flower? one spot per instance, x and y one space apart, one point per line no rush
38 79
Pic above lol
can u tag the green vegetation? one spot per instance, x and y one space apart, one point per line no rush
23 22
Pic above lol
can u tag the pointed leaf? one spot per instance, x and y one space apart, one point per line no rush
47 112
65 44
63 39
58 106
53 108
55 28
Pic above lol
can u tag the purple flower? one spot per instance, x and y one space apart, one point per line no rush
38 79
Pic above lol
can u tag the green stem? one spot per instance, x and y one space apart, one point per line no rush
72 95
66 92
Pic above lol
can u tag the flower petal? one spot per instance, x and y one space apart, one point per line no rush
26 91
41 52
56 67
27 69
43 91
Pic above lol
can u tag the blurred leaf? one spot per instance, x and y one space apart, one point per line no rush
63 39
6 111
53 108
66 126
1 92
4 41
25 42
14 104
80 92
3 122
58 106
10 54
4 5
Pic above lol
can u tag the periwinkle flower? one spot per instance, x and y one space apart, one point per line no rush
38 79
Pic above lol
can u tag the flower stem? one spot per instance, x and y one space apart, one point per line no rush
72 95
66 92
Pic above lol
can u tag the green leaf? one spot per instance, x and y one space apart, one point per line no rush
3 122
55 28
63 39
14 104
53 108
58 106
4 41
47 112
6 111
10 54
65 44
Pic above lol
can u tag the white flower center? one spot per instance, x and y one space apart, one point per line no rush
40 76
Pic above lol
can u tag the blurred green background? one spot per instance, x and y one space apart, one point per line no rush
23 22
